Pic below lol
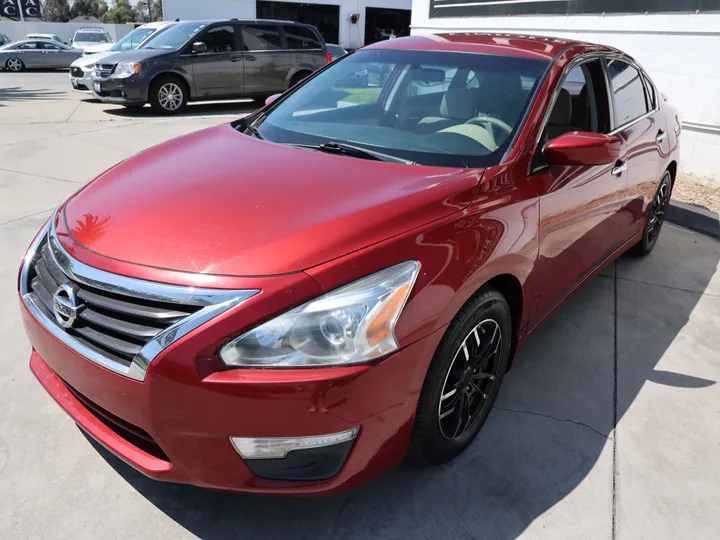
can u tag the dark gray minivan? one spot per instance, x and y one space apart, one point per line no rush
206 60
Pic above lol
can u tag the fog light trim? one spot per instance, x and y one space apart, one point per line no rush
279 447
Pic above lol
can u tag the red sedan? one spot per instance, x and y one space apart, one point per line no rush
292 303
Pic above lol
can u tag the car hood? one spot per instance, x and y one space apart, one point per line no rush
92 49
91 59
138 55
220 202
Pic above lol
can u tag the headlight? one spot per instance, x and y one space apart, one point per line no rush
125 69
353 324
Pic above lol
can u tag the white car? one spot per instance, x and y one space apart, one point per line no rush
81 69
90 37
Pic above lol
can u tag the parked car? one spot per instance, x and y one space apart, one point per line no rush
81 69
204 60
336 51
33 54
4 39
98 38
328 284
51 37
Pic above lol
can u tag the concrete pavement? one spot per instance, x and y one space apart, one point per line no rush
607 426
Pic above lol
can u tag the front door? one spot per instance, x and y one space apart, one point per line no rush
639 122
579 206
266 59
218 72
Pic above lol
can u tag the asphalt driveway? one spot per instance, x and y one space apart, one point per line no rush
607 426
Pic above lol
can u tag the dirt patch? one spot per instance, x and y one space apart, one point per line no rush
689 190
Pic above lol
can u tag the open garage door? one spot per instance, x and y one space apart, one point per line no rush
324 17
382 23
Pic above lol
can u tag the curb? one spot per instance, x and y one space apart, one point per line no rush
694 218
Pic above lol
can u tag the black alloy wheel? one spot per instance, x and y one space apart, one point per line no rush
463 379
655 218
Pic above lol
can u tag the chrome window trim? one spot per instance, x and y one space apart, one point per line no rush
213 301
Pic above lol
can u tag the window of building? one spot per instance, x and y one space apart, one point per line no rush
629 91
324 17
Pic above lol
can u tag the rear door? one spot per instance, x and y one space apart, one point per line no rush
638 120
265 58
55 56
579 206
306 49
218 72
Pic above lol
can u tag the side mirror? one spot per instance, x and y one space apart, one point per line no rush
199 47
271 99
583 148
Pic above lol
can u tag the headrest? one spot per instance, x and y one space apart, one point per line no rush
561 114
458 104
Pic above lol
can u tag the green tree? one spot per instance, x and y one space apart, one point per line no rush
121 13
150 10
89 8
55 10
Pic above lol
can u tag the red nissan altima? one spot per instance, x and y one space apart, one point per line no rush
292 303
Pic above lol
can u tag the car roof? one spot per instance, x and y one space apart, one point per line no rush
91 29
523 45
264 21
159 24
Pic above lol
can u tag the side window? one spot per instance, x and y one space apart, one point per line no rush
301 37
261 37
219 39
51 47
627 86
575 108
30 45
650 91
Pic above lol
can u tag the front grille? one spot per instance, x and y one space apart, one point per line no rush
77 72
113 325
133 434
104 70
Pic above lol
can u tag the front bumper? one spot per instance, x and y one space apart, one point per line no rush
125 91
81 80
176 425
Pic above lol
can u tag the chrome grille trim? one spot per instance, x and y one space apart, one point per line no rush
213 303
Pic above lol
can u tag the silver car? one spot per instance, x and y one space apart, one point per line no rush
81 70
34 54
87 37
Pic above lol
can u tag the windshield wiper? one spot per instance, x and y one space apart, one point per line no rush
353 151
252 129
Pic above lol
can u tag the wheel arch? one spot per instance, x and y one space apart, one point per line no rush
672 168
305 72
175 75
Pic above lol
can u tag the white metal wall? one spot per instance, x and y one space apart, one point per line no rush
680 51
351 35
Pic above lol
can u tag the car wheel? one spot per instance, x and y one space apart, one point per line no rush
298 77
463 380
168 95
655 218
14 64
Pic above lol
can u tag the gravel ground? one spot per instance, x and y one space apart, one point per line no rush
688 190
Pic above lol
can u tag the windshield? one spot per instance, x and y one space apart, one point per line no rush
432 108
91 37
132 40
175 37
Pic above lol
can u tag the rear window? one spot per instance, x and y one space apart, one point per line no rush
301 37
261 37
92 37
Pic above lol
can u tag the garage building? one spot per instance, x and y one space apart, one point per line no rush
676 41
350 23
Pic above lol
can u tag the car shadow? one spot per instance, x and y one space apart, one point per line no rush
193 109
552 427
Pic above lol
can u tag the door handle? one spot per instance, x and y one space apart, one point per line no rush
250 57
235 58
620 167
660 136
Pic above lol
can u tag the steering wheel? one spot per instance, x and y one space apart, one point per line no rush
485 119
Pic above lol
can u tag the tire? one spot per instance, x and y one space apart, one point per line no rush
299 77
161 92
14 64
655 218
435 438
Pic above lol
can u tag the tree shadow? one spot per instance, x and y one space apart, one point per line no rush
18 93
551 432
193 109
